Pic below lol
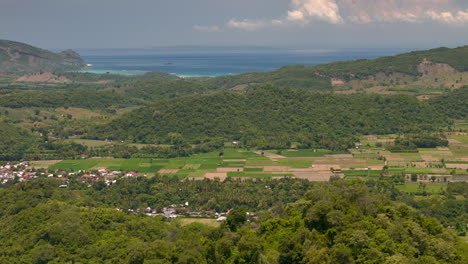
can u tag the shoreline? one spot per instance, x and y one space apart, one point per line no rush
135 72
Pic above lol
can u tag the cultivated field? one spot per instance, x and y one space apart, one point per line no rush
434 167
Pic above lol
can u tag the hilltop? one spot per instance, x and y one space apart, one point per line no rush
416 69
17 58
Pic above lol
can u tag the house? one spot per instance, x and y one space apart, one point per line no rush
131 174
221 219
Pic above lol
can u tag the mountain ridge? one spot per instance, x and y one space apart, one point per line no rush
19 58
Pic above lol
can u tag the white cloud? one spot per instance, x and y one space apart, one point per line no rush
207 28
246 24
460 17
296 15
325 10
304 12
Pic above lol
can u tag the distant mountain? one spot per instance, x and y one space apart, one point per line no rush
17 58
416 64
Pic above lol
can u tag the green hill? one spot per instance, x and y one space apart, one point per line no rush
319 77
272 117
16 58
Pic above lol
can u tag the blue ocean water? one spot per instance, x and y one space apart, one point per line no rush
215 61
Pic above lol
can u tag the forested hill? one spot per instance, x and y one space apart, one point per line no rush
338 222
272 117
319 77
16 57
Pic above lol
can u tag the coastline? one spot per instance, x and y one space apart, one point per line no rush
136 72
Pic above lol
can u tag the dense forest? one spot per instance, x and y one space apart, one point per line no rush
338 222
274 117
85 98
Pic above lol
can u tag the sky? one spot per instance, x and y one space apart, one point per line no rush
61 24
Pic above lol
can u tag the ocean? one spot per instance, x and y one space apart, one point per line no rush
216 61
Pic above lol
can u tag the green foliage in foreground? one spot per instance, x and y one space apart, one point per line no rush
270 117
340 222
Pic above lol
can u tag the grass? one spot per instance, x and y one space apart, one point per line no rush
413 187
370 173
200 164
309 153
462 139
205 221
43 164
253 169
90 143
139 165
295 163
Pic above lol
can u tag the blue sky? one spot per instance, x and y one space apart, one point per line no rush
58 24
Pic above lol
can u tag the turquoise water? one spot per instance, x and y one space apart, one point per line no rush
216 61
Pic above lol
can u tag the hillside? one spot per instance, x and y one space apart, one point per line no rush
274 117
17 58
416 64
338 222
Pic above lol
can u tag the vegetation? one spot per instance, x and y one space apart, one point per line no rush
391 167
318 77
411 143
339 222
84 98
269 117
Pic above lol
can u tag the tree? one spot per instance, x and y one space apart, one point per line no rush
236 218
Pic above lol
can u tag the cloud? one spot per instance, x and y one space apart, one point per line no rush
247 24
303 12
460 17
207 28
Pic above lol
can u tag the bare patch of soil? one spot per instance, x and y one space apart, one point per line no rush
45 77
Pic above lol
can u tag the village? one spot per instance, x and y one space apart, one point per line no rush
23 172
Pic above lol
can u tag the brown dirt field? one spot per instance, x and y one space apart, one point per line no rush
168 171
443 149
420 164
272 156
456 166
318 177
301 170
275 168
453 141
429 158
325 167
212 175
44 77
43 164
335 82
229 169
